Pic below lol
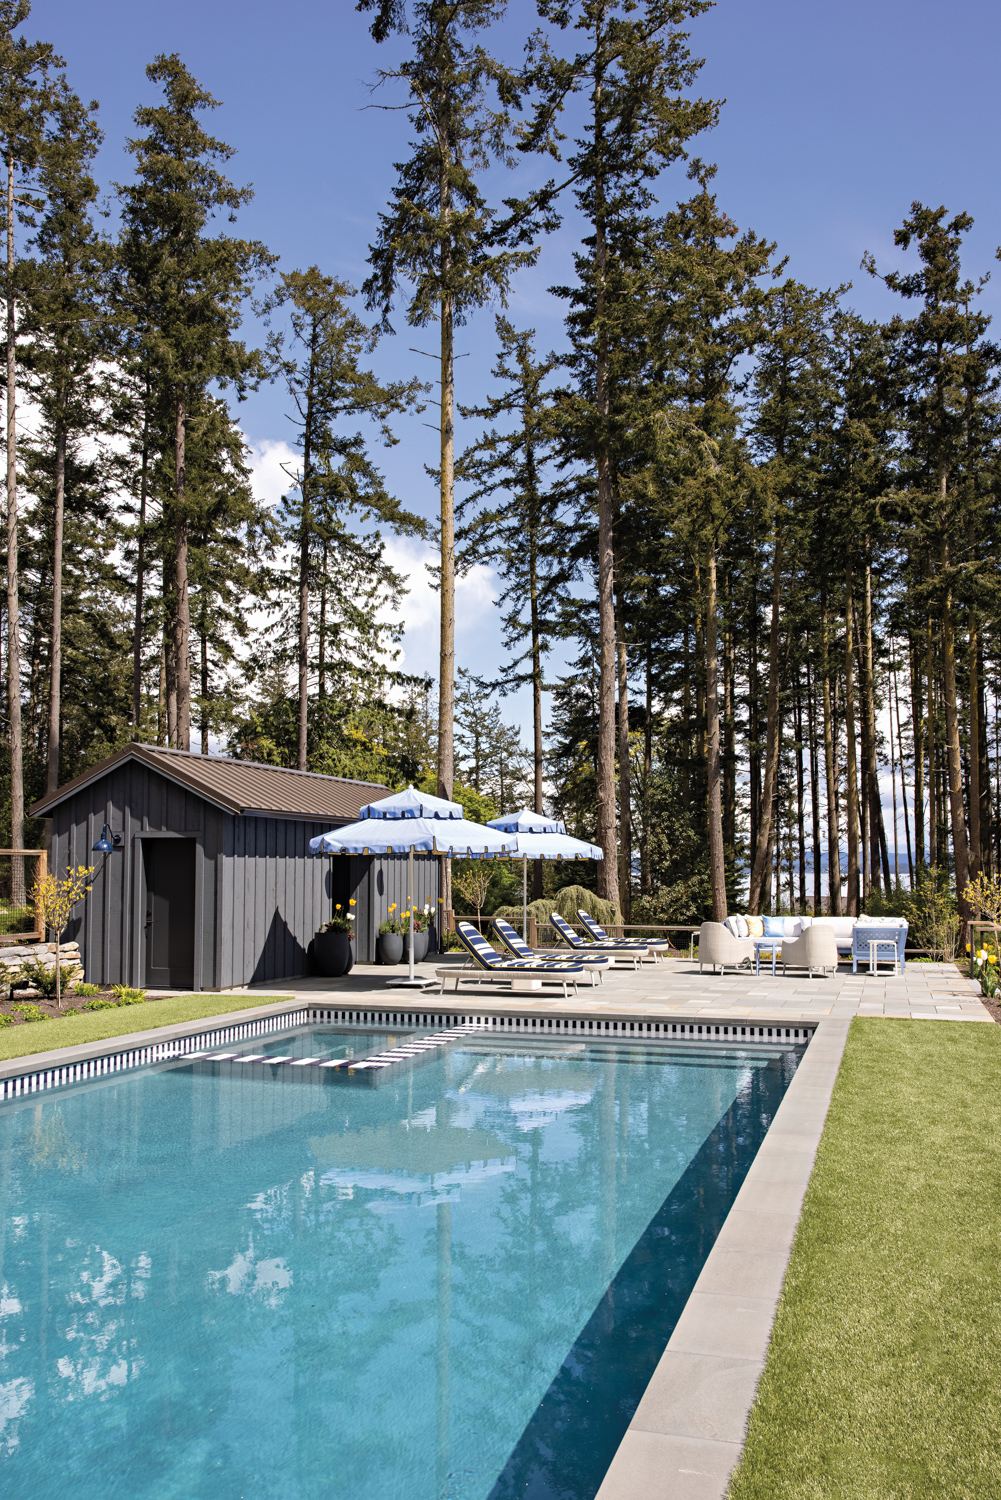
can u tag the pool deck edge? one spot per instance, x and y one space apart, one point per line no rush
56 1057
688 1431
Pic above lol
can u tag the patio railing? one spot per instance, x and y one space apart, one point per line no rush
20 919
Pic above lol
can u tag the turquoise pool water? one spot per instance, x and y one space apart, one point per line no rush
449 1287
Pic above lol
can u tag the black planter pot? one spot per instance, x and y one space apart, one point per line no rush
390 947
420 946
333 954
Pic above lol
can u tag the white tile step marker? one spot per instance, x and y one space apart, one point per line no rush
252 1057
221 1056
279 1059
304 1062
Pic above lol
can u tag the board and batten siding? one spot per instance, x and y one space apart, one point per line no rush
259 895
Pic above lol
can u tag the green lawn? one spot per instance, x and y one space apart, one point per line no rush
94 1026
884 1370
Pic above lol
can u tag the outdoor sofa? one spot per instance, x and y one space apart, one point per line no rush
852 935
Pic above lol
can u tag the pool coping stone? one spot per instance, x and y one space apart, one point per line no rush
688 1430
58 1057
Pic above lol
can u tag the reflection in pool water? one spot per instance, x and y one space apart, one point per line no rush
216 1286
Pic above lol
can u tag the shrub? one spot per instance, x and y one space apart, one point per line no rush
86 989
43 979
932 915
126 995
101 1004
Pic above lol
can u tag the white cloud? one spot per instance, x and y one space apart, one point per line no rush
475 617
271 481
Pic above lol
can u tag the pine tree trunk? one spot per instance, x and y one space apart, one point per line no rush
761 867
917 734
537 747
976 857
205 684
800 797
753 729
170 655
302 719
446 659
960 847
608 869
182 613
137 634
872 771
56 661
162 730
646 877
717 859
305 532
811 729
321 652
931 745
13 610
903 788
625 790
852 766
729 734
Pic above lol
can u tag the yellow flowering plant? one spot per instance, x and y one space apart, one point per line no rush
342 919
55 900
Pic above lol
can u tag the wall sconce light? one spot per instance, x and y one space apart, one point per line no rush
107 841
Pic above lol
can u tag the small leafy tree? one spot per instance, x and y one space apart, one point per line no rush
473 884
55 900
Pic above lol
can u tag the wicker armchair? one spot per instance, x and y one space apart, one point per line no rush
815 948
717 945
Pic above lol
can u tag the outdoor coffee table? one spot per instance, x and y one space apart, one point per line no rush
761 945
875 957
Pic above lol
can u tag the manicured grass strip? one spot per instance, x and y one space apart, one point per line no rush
884 1371
94 1026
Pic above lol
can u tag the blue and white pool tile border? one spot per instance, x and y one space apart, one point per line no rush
495 1023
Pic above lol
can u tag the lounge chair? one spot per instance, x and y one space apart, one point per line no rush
815 948
488 964
512 942
717 945
613 948
656 947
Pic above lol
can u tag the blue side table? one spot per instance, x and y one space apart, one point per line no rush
762 945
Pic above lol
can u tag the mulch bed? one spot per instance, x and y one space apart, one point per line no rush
71 1004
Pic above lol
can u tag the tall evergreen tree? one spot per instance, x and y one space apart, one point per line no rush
518 522
193 287
633 68
319 361
441 236
948 367
24 74
67 326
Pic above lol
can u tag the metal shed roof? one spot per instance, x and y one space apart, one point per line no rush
238 786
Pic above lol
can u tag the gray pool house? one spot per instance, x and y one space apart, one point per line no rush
208 883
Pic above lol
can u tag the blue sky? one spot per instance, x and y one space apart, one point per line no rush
836 117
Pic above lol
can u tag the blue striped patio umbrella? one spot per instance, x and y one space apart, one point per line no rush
412 822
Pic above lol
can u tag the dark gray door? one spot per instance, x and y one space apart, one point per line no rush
170 913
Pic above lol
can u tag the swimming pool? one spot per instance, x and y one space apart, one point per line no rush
453 1286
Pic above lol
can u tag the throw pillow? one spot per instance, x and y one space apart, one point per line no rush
774 927
730 923
792 927
742 931
755 927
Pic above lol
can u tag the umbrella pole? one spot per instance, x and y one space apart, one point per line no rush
524 898
410 895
